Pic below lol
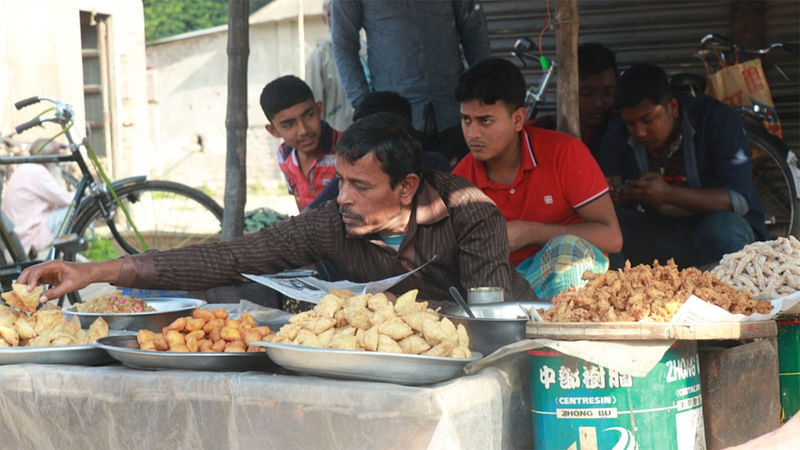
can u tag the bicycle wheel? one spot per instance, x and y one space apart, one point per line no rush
773 181
167 215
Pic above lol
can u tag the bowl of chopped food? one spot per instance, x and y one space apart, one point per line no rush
123 312
495 324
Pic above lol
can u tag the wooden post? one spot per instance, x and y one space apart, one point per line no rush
236 119
567 59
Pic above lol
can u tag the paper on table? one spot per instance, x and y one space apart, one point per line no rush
312 290
634 358
697 310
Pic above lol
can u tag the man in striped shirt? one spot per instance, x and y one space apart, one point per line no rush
389 218
548 186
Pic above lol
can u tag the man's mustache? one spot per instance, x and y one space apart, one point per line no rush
345 211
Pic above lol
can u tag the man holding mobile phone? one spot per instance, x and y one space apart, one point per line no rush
680 171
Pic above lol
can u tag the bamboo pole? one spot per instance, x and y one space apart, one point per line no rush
566 24
238 49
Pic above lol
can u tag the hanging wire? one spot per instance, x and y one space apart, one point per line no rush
544 28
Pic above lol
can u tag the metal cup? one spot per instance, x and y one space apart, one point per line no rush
479 295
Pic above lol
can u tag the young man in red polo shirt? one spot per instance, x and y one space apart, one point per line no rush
560 217
306 156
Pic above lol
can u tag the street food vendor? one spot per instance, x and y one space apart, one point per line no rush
389 218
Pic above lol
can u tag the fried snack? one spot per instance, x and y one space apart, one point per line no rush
193 324
230 334
8 315
767 270
207 331
159 342
9 335
235 347
145 339
46 327
20 297
376 322
24 328
645 293
200 313
220 313
98 329
178 324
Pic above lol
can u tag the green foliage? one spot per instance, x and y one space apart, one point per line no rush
164 18
100 248
261 218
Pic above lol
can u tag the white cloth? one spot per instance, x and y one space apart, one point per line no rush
30 196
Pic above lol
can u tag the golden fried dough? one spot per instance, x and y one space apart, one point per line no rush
376 323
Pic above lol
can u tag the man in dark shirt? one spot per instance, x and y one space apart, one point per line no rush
597 70
680 173
389 218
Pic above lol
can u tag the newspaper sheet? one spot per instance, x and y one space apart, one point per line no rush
301 285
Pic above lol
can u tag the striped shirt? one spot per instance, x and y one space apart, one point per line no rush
452 220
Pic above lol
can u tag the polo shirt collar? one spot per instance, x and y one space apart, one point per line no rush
528 156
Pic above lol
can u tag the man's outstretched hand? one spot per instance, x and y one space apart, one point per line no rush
65 277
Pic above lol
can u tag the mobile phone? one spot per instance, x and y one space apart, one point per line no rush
621 186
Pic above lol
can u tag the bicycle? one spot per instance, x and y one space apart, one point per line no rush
534 95
155 214
772 160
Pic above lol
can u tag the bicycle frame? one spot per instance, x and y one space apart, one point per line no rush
533 95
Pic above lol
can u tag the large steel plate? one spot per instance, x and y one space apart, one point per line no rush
363 365
167 309
125 349
81 355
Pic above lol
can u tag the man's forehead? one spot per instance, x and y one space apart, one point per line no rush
642 108
479 108
368 166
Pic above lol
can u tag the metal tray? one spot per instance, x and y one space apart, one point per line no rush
167 310
125 349
370 366
80 355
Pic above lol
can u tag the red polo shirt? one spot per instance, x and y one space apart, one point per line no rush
557 175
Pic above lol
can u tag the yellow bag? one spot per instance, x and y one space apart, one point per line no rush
744 84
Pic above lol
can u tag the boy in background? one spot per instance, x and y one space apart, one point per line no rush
306 156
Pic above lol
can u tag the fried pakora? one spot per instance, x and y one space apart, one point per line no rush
645 293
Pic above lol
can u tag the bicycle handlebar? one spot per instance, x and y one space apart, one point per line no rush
26 102
713 39
29 124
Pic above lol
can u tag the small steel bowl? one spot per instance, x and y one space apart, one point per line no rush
494 325
167 310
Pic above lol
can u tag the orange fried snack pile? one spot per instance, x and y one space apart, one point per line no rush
206 331
369 322
645 293
46 327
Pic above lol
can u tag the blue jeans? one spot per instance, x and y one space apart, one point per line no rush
692 241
